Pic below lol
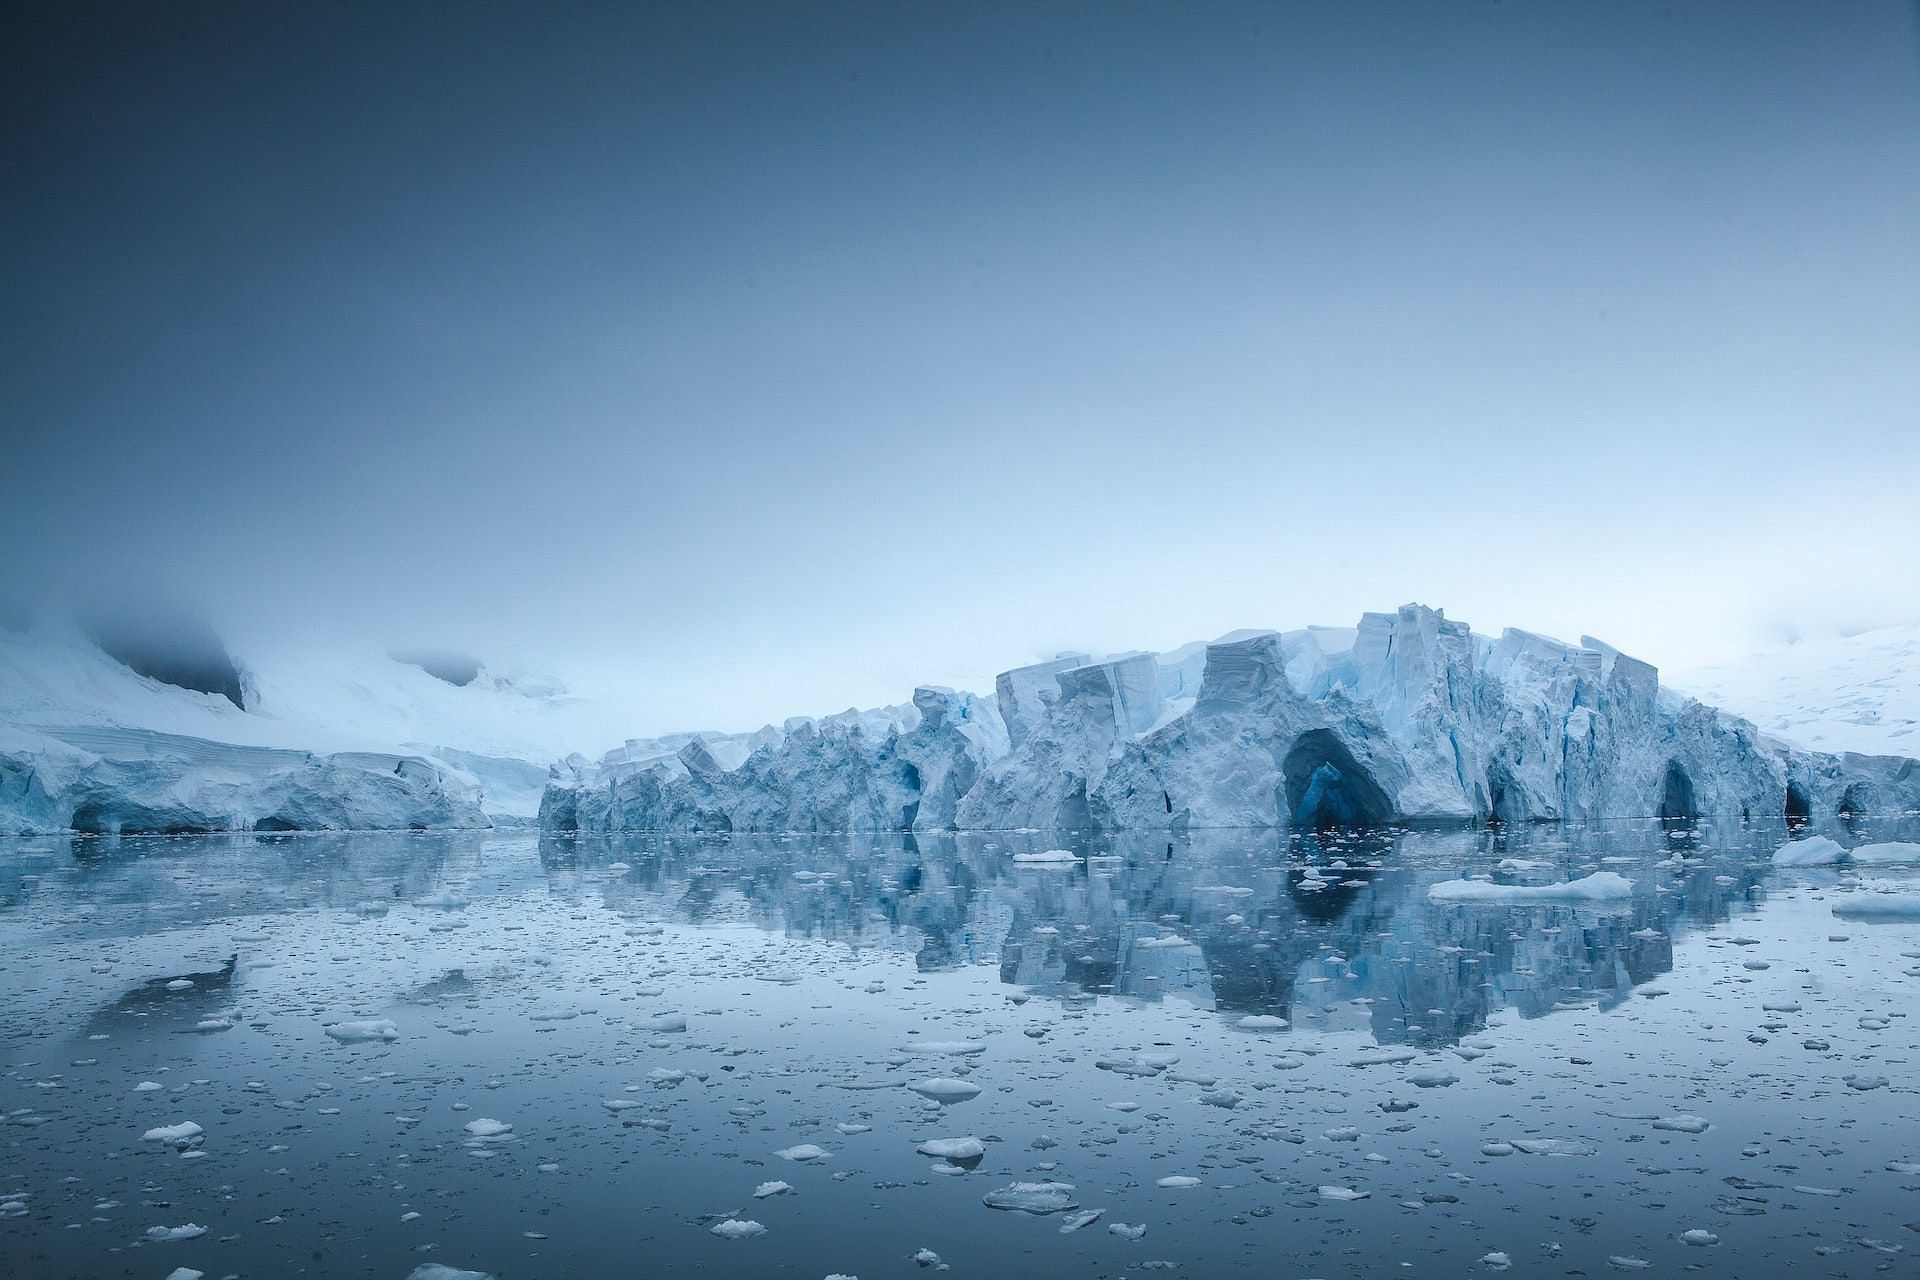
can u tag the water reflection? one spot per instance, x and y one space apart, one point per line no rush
1240 923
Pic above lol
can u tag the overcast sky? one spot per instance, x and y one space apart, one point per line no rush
771 359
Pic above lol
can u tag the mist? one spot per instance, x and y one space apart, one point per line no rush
751 366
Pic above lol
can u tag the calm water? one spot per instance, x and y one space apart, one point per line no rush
1559 1089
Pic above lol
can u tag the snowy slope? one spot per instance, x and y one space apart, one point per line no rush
1856 693
504 731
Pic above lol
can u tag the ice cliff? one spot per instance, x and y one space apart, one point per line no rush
1408 718
124 781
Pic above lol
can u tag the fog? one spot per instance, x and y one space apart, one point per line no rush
760 361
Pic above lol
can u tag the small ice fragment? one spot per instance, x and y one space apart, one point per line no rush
1176 1181
1682 1124
1058 856
168 1235
363 1030
803 1153
945 1090
737 1229
1599 886
766 1189
485 1127
963 1047
952 1149
1038 1198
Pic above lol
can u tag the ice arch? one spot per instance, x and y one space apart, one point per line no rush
1326 787
1676 795
1799 805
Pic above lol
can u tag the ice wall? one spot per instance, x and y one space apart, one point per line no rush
1409 717
135 782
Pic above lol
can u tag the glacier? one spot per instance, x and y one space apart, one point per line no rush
330 739
1408 718
112 781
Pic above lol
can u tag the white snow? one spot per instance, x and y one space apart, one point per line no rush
1854 693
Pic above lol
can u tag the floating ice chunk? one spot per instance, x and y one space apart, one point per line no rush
766 1189
1552 1146
1432 1078
177 1135
803 1153
1598 887
1038 1198
1497 1261
440 1271
1814 851
1178 1181
945 1090
180 984
1682 1124
1343 1193
1046 856
1126 1231
1698 1238
928 1258
1081 1218
1887 852
363 1030
953 1149
146 1086
185 1273
1628 1264
737 1229
1381 1057
168 1235
957 1047
667 1022
486 1127
1879 906
1261 1022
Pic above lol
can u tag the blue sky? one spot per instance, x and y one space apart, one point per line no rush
773 358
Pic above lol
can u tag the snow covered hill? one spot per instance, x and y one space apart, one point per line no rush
1857 693
502 729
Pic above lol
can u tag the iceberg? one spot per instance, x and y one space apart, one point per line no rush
1408 718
